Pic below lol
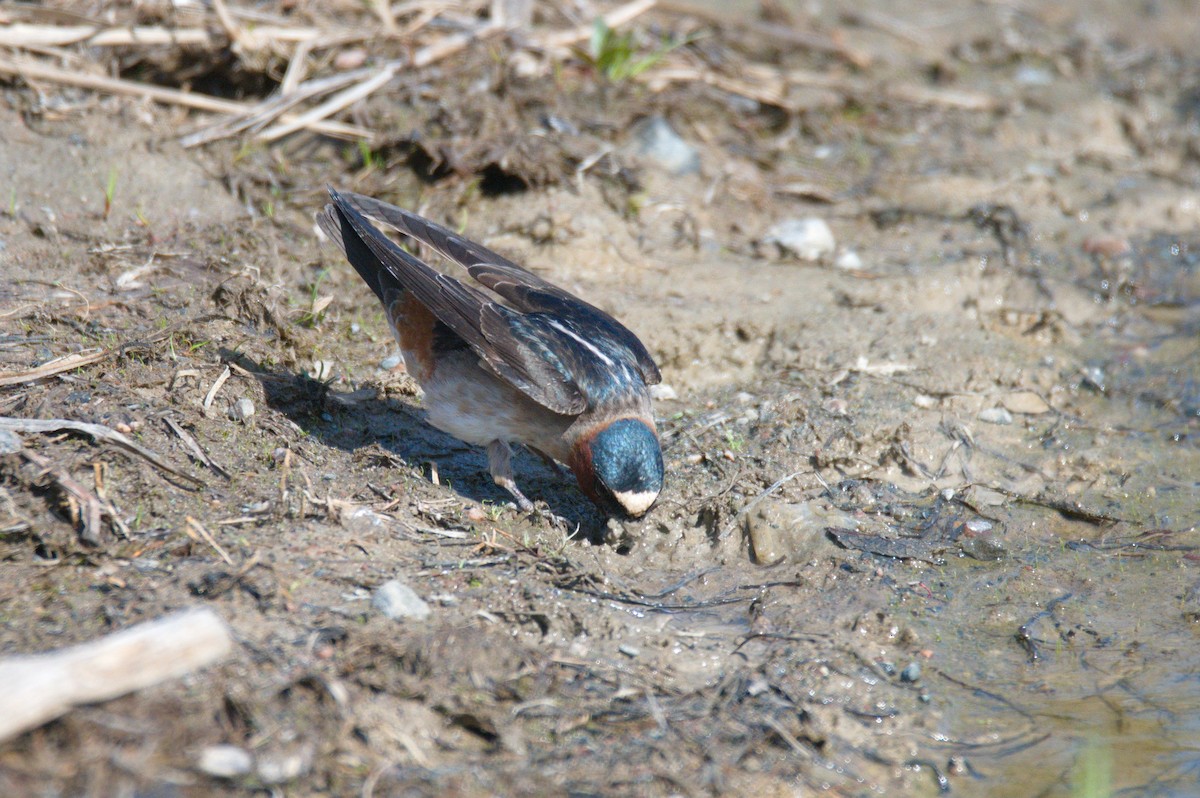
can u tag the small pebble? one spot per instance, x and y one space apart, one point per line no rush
757 687
9 442
911 672
352 58
849 260
242 410
390 362
1026 402
629 651
996 415
807 239
321 370
281 768
658 142
985 548
1107 246
1033 76
225 761
397 600
663 392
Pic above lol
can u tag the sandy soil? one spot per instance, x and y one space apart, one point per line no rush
931 514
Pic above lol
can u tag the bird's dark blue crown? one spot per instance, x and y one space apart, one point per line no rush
627 458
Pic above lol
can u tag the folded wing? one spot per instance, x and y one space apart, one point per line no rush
557 349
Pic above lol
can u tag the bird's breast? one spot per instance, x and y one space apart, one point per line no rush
471 403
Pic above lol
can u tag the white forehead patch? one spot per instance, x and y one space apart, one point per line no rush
636 502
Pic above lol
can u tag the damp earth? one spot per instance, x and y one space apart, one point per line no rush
923 280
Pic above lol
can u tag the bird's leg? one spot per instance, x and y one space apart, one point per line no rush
550 462
500 466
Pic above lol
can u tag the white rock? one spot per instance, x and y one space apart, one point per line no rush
663 392
280 768
807 239
242 410
390 362
849 260
397 600
996 415
225 761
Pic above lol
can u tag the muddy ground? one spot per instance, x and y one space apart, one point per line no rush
930 521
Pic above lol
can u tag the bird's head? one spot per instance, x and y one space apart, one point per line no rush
619 466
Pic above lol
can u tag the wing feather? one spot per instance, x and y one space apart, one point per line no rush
557 349
521 288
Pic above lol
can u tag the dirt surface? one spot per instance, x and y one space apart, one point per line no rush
930 518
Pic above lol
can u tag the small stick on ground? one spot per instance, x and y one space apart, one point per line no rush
90 508
97 432
194 448
196 529
57 366
39 71
216 386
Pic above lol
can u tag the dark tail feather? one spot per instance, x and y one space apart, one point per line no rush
335 225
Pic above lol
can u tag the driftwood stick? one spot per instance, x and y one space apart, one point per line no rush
40 688
332 105
40 71
614 18
57 366
97 432
29 36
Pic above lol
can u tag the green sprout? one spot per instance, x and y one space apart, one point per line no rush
316 303
110 191
614 55
370 159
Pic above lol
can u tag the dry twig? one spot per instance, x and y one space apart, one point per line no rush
88 508
40 71
196 530
97 432
56 366
194 448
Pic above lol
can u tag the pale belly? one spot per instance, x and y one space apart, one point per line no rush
472 404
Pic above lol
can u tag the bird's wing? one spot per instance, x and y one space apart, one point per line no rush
522 289
512 344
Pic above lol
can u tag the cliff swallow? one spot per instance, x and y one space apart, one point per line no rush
527 363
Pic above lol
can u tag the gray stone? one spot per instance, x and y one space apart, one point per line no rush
10 442
656 141
242 410
397 600
791 532
996 415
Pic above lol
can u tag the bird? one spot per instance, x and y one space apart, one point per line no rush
514 360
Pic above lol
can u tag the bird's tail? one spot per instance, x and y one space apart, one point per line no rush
337 227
